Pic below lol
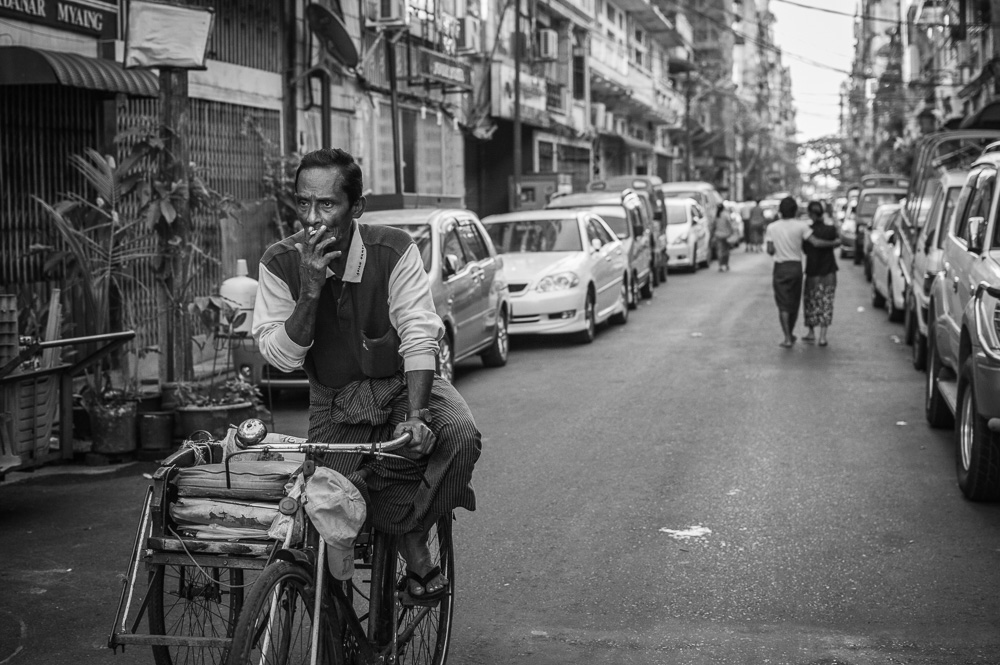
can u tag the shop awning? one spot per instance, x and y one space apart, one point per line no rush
20 65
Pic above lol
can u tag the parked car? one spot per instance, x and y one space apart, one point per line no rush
876 189
626 215
889 279
467 281
926 259
770 209
703 192
879 221
686 235
963 341
568 271
646 186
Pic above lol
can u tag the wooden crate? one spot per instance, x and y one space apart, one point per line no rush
32 409
9 341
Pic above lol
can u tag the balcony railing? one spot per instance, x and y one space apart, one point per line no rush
609 58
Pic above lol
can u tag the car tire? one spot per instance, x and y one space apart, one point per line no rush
909 319
919 352
694 259
878 300
977 450
935 408
586 336
496 355
633 292
647 288
620 318
894 313
446 358
654 274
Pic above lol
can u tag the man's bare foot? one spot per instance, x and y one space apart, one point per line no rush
413 547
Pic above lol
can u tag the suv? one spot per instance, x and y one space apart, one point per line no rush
626 214
963 335
647 187
876 189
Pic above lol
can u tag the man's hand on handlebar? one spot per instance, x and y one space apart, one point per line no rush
422 439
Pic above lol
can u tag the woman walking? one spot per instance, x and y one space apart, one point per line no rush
821 277
756 223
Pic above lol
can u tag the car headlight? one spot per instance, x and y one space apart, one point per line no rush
558 282
680 240
988 321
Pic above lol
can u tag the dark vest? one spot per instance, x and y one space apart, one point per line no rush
353 338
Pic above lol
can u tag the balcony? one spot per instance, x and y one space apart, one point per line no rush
640 82
609 65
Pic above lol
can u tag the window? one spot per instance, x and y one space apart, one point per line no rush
451 245
473 242
962 205
593 233
982 198
602 232
949 211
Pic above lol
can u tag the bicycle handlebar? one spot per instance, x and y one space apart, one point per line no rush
253 434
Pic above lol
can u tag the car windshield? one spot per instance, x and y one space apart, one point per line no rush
682 195
421 234
870 202
676 215
536 235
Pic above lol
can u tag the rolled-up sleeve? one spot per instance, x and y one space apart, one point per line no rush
412 313
272 307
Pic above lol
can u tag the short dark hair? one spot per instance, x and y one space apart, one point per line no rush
788 208
817 206
325 158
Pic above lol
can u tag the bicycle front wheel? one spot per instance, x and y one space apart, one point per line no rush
423 633
275 627
187 601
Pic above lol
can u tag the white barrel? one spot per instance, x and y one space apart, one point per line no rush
241 291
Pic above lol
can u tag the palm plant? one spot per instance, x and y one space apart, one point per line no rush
101 250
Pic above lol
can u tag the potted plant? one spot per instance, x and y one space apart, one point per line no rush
99 247
212 405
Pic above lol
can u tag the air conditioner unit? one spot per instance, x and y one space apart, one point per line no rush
609 122
597 113
391 13
469 35
548 44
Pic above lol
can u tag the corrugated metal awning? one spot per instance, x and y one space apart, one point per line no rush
20 65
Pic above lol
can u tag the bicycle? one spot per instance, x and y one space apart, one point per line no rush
296 612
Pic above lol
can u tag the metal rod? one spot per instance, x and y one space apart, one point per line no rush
517 106
318 605
390 63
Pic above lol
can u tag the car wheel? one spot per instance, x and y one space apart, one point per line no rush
654 274
586 336
935 409
633 292
496 355
919 352
446 359
620 318
878 300
894 313
977 451
647 288
694 259
909 319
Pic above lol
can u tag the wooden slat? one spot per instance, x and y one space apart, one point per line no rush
209 560
173 640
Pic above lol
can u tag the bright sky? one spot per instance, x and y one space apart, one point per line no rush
822 38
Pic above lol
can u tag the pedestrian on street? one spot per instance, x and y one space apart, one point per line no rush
821 276
351 304
785 239
756 223
723 231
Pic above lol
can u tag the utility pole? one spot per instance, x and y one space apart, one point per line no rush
687 125
518 45
397 153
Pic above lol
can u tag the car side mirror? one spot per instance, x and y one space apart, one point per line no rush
450 265
977 233
595 243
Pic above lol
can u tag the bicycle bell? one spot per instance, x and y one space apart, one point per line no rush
250 432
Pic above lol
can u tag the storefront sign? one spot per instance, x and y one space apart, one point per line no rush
533 95
441 69
94 17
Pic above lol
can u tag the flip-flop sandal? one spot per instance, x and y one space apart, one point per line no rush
426 598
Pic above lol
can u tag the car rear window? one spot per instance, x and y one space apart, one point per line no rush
870 202
421 234
616 220
676 215
536 235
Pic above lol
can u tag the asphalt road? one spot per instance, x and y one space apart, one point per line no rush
680 491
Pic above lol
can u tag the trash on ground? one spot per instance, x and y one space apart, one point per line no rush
697 531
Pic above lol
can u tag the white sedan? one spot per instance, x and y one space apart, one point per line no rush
685 234
566 271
